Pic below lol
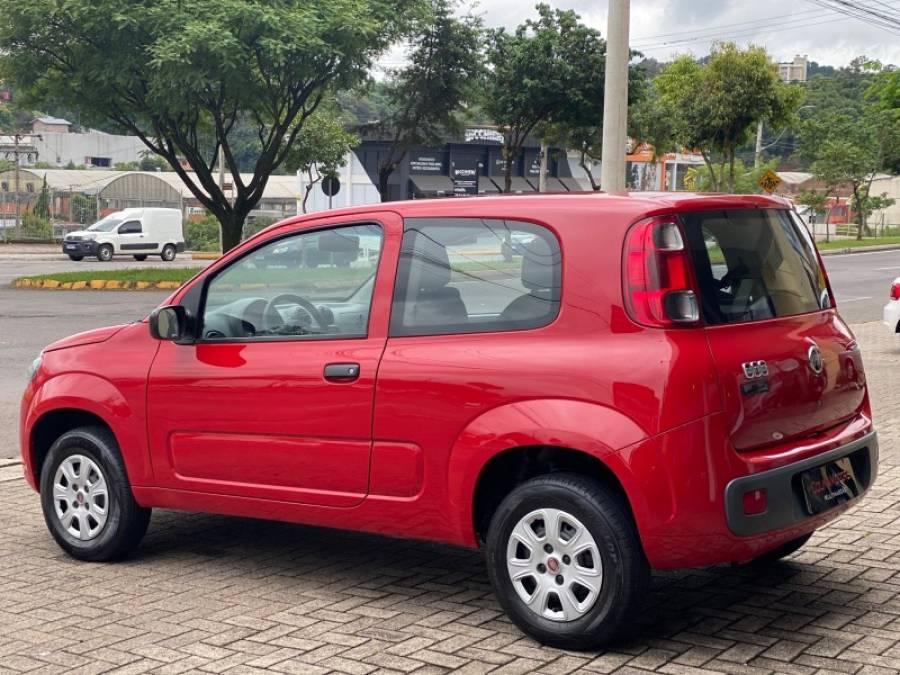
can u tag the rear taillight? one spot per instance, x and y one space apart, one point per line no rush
895 289
659 287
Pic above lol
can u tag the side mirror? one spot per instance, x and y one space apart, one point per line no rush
168 323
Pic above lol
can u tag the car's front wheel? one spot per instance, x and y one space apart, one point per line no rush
566 562
105 253
86 497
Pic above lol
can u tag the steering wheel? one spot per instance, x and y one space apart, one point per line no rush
272 318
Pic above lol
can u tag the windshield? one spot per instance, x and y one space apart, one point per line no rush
107 224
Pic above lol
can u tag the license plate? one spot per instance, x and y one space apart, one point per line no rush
829 485
71 247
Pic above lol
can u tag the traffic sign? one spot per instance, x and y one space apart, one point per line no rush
331 185
769 181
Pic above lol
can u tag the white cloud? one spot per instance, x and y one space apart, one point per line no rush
662 28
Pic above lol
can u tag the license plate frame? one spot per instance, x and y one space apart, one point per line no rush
829 485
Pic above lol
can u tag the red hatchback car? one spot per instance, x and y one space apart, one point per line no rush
588 386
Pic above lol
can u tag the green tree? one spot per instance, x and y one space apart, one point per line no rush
817 202
320 149
746 178
42 205
550 70
126 166
851 131
181 75
150 163
83 209
423 99
717 105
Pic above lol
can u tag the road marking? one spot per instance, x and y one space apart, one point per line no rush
866 297
861 253
886 269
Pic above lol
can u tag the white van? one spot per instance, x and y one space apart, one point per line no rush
137 232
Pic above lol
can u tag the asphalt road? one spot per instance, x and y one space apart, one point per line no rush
30 319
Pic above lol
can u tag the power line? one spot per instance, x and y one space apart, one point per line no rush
795 15
862 13
742 34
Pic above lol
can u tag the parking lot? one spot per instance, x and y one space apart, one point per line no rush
216 594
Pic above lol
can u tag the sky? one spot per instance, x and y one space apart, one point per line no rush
663 28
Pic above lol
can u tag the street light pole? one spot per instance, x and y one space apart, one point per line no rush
615 98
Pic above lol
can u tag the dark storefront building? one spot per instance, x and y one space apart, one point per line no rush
467 165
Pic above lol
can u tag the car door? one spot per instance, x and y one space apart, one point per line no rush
132 238
274 399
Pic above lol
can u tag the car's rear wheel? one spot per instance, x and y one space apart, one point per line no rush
141 257
105 253
86 497
782 551
168 253
76 258
566 562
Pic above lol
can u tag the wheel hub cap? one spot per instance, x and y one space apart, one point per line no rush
80 497
554 564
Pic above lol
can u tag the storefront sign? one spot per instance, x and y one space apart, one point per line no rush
426 164
483 135
465 181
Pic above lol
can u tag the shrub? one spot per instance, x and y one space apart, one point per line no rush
202 235
35 227
254 225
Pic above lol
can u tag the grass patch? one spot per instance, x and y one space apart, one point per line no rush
151 274
841 244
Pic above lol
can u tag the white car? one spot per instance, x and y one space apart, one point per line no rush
138 232
892 309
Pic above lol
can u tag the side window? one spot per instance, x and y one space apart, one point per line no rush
306 286
131 227
466 275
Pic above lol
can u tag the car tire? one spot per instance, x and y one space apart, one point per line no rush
141 258
782 551
615 573
86 497
105 253
76 258
168 253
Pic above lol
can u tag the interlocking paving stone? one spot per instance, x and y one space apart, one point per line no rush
229 595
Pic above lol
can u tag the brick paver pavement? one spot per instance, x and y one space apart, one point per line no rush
218 595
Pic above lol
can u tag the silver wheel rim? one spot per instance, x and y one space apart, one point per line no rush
168 253
80 497
554 565
106 253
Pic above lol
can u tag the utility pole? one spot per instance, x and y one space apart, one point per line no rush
542 178
615 98
18 228
757 158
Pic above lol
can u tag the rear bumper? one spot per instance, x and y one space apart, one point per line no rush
786 506
686 490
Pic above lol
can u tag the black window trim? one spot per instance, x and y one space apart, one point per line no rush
204 289
466 329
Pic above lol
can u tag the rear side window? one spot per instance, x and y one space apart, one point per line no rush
466 275
754 264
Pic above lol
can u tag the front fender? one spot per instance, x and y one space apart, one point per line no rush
578 425
96 395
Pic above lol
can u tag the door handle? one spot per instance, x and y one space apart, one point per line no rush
342 372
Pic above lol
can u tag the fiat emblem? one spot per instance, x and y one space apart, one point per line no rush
816 364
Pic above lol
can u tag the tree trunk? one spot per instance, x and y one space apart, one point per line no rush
731 171
827 222
507 170
384 175
595 185
713 183
860 214
232 229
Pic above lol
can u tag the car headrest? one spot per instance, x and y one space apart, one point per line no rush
540 265
433 262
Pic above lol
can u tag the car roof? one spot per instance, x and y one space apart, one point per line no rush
631 204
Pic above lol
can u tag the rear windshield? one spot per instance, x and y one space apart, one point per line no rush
754 264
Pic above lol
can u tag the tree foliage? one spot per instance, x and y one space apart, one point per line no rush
850 131
320 149
717 105
42 205
423 99
550 70
182 75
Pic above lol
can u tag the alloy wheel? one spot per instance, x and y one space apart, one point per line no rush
80 497
554 564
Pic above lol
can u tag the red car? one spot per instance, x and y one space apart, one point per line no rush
586 386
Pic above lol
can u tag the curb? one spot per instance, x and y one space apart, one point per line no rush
860 249
96 285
